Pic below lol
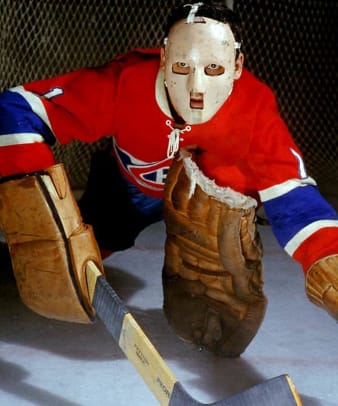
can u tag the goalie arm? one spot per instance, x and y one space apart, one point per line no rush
304 223
75 106
48 241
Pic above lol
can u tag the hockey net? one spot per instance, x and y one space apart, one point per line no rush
290 45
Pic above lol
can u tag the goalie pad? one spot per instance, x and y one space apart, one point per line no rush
212 274
49 244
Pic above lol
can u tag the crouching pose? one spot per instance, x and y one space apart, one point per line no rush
190 125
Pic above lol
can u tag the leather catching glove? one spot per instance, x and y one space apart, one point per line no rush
212 274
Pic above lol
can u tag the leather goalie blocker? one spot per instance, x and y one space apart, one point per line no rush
212 273
321 284
49 244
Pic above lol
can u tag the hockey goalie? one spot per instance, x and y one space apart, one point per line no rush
196 140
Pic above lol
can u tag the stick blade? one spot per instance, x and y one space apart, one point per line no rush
275 391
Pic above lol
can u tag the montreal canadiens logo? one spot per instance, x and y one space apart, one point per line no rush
150 175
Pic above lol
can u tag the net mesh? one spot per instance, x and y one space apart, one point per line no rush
291 45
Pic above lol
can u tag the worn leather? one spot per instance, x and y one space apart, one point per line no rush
212 274
321 284
49 244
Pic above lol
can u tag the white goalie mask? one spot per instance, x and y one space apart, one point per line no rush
199 67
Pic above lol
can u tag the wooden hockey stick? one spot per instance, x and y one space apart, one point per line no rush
151 366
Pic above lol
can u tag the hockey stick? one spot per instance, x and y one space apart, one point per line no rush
151 366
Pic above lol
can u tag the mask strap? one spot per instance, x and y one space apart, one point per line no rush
192 12
237 45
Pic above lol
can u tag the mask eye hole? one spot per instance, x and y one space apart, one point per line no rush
213 69
181 68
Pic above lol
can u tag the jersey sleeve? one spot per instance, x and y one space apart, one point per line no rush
78 105
304 223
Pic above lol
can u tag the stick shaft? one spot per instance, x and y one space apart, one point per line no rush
130 337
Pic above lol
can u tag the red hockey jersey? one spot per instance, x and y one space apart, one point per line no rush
245 146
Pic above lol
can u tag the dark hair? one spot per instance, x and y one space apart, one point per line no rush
216 10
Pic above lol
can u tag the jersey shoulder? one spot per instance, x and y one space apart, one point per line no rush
252 83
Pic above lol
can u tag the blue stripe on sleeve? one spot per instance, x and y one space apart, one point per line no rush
290 213
17 116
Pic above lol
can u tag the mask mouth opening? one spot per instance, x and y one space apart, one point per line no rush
196 101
